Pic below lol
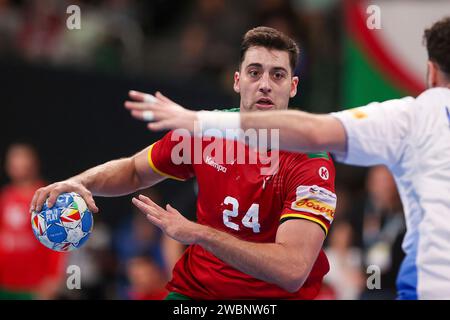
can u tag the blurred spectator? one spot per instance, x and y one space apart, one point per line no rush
110 38
384 228
28 270
320 22
41 25
344 280
146 279
9 24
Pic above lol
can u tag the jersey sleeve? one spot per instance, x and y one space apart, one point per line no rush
172 156
310 192
376 133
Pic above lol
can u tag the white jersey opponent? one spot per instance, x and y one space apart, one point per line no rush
412 138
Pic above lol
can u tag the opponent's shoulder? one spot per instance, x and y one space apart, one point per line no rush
434 97
437 92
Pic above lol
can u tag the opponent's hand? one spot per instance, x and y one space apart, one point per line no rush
53 190
170 221
162 112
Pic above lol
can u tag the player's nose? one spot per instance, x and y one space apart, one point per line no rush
264 84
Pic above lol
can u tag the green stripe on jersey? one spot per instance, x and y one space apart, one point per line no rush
176 296
318 155
230 110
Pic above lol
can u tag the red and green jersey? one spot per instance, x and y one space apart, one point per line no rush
238 199
24 262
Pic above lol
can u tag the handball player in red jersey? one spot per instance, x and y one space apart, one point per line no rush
28 270
259 230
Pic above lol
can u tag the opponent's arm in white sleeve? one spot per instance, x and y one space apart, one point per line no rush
370 135
374 134
300 131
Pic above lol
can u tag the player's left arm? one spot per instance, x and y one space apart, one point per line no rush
286 262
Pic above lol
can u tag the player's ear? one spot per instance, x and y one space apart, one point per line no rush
432 74
236 82
294 84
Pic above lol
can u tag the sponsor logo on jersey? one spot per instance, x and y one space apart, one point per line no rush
357 113
324 173
315 200
209 161
315 207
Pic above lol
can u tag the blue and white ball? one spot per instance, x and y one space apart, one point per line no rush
65 226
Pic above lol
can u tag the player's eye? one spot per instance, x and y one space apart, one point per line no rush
253 73
279 75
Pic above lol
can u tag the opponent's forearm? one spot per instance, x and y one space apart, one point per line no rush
270 262
113 178
299 131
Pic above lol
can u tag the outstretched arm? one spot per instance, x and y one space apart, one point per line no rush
299 131
287 262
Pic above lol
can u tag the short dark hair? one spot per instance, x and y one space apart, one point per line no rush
271 39
437 40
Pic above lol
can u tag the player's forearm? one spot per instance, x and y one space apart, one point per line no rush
270 262
113 178
299 131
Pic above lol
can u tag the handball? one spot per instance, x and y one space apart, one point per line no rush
65 226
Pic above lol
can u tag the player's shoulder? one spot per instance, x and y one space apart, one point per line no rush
304 156
312 168
291 159
177 135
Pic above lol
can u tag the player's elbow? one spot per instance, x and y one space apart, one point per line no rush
294 284
294 278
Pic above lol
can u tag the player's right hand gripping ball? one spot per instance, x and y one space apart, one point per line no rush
65 226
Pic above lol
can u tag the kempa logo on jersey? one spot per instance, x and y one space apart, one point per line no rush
259 147
209 161
315 207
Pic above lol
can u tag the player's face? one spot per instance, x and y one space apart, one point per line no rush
265 80
21 164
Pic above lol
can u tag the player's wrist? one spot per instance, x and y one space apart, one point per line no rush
203 235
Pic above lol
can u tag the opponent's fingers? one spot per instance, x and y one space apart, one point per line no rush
137 95
138 114
160 125
162 97
131 105
142 97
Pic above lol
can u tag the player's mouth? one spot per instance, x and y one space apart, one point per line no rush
264 104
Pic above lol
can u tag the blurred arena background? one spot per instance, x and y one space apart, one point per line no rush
62 92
